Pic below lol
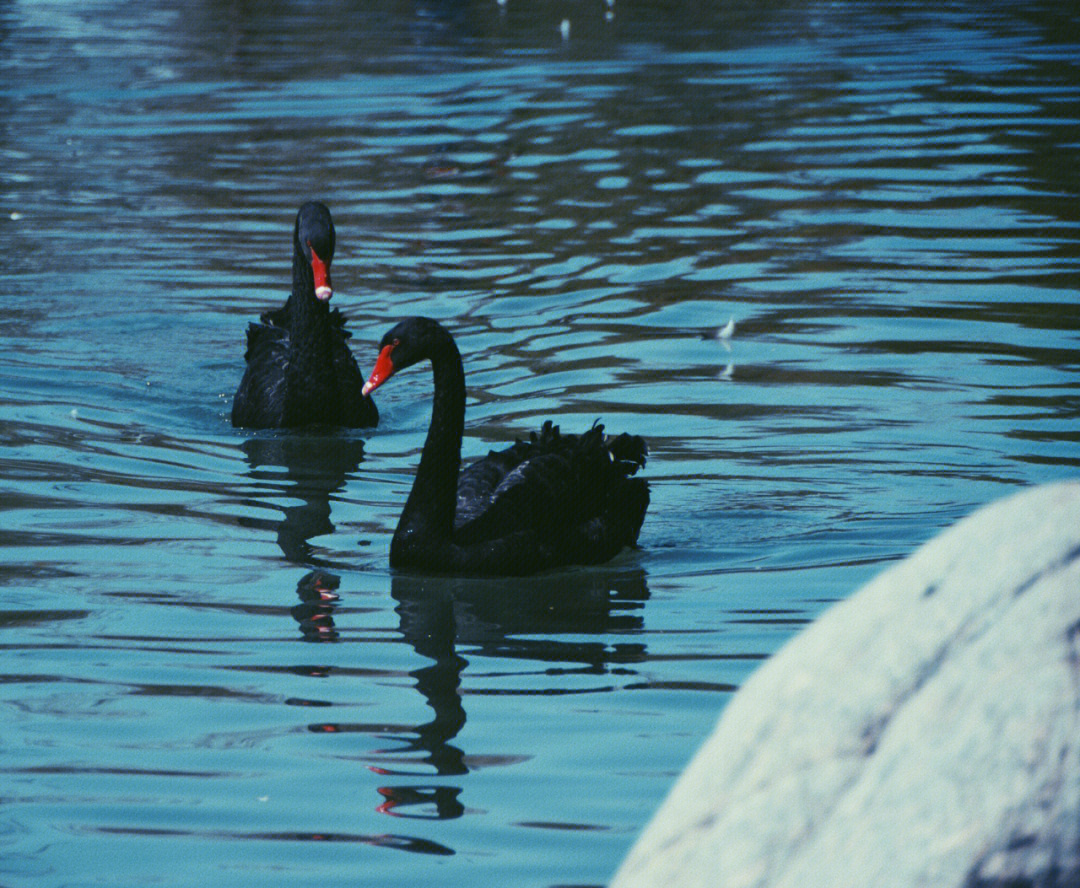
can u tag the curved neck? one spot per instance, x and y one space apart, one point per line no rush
429 511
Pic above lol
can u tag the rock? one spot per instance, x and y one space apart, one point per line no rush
924 732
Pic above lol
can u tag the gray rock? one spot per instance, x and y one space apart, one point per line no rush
924 732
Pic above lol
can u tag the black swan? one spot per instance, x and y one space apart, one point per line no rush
552 500
299 368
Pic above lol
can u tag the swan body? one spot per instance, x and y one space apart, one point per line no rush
551 500
299 368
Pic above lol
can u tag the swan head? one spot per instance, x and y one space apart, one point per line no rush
405 344
314 238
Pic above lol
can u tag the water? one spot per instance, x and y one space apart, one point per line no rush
210 676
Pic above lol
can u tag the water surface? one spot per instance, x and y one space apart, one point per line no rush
210 675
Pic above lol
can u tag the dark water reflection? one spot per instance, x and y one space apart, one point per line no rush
824 256
522 620
316 467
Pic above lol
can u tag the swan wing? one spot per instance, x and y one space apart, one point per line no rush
529 497
356 408
259 399
553 486
279 317
527 487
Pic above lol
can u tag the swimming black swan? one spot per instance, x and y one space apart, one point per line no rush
299 369
554 499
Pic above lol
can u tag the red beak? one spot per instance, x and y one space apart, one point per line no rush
384 369
321 272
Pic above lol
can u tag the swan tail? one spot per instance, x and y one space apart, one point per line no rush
601 538
628 452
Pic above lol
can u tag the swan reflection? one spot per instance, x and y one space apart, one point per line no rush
316 467
561 623
318 599
454 621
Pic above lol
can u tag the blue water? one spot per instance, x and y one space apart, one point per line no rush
210 675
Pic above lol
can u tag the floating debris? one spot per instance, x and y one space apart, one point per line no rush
564 29
723 334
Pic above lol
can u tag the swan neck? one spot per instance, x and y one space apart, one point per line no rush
431 505
304 309
309 374
303 281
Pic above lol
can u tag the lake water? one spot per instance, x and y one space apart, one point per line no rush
210 676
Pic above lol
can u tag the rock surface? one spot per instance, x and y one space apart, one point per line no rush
924 732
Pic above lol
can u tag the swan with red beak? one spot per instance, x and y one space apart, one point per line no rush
548 500
300 370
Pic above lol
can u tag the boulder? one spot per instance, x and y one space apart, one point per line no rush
923 732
